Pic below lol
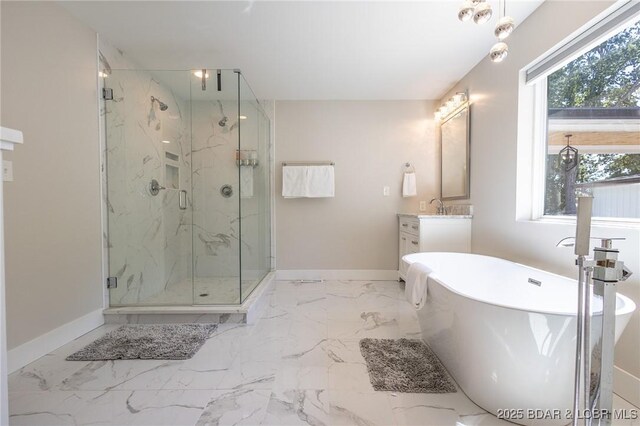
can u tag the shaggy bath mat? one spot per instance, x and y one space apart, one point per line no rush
404 366
146 341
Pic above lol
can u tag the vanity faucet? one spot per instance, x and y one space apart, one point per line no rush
441 210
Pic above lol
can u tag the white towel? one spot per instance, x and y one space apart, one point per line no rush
294 181
246 181
409 187
415 289
320 182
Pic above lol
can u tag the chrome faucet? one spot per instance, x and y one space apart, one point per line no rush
441 210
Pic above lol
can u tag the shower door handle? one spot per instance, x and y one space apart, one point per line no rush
182 199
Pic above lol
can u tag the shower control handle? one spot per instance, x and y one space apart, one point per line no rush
155 187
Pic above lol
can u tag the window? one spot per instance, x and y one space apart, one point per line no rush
592 137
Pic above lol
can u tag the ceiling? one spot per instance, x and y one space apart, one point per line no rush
316 50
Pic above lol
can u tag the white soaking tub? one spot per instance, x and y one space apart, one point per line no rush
508 343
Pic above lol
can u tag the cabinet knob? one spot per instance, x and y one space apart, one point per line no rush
405 225
415 227
415 243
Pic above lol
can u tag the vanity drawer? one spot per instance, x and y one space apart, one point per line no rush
411 226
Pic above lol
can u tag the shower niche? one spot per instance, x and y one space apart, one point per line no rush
187 244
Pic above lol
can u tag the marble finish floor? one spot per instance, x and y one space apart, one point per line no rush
299 364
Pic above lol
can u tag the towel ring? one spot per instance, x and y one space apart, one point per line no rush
408 168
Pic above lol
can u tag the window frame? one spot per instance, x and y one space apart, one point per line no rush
533 96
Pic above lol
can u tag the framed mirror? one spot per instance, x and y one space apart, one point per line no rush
454 158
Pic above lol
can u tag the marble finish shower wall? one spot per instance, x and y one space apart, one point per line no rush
216 231
149 237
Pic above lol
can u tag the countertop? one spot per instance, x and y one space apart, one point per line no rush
436 216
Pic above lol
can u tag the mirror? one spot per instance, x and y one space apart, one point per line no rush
454 159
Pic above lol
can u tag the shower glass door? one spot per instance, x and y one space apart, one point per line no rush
148 187
216 188
253 173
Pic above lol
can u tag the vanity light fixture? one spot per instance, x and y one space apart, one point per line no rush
198 73
452 106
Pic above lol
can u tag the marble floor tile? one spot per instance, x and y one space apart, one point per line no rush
235 407
360 408
299 364
297 407
107 408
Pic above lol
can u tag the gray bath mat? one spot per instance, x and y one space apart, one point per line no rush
146 341
404 366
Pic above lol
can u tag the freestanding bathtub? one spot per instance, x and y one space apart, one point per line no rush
508 343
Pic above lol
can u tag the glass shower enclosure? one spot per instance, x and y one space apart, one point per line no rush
188 187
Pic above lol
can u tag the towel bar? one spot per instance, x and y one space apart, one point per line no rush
308 163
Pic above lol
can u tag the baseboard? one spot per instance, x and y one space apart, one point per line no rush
338 274
40 346
626 386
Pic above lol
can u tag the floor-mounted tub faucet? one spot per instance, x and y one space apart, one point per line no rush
441 209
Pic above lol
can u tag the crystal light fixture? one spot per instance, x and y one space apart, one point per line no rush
482 13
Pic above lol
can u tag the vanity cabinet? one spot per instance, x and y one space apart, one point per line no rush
420 233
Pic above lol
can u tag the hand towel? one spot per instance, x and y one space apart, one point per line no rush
294 181
246 181
409 188
415 290
320 182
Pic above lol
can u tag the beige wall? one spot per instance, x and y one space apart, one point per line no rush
494 130
52 209
369 142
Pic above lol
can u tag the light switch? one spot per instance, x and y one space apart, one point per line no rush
385 191
423 206
7 171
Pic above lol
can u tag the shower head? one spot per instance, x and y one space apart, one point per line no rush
223 122
162 105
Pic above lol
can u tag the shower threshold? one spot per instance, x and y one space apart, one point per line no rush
247 312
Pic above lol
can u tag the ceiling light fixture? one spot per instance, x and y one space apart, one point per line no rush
568 155
103 74
482 13
499 52
504 27
243 117
165 141
467 9
451 106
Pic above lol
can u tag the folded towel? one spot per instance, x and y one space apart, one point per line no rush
246 181
415 290
294 181
320 182
409 187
